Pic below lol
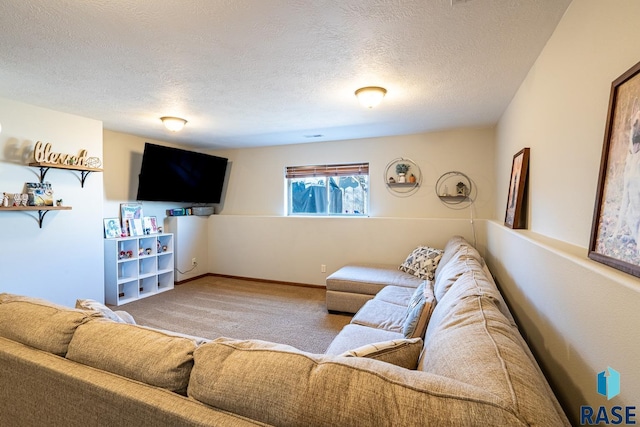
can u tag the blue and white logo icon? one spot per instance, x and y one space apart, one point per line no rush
609 383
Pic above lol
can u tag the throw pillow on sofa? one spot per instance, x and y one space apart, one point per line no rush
419 311
422 262
403 352
104 311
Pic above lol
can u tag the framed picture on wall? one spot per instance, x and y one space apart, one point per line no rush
615 230
516 215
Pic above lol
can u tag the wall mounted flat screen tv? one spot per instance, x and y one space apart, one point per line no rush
175 175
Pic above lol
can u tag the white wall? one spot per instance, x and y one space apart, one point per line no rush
62 261
191 240
579 315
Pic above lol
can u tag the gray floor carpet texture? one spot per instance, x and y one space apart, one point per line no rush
213 306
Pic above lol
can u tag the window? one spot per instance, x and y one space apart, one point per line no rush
328 189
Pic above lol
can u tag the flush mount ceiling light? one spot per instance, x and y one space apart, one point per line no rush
370 96
174 124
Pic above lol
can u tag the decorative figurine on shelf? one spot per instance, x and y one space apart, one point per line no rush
391 180
159 248
122 255
129 254
5 200
401 170
17 197
412 178
164 248
461 189
59 202
25 198
140 251
148 251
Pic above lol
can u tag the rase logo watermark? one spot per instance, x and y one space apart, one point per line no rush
608 385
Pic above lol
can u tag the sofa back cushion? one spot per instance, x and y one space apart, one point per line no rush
458 247
459 264
470 339
38 323
280 385
150 356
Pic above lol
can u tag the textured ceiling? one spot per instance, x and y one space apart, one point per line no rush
270 72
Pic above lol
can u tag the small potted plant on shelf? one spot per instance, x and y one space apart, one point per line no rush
401 170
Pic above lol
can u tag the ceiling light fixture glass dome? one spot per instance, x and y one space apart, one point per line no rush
370 96
174 124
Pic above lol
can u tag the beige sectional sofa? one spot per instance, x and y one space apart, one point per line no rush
61 366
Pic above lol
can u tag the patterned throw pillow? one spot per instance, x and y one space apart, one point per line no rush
103 310
419 311
422 262
402 352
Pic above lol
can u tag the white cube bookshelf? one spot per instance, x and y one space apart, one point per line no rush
137 267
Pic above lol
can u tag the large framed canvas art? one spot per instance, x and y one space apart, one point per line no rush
615 230
516 214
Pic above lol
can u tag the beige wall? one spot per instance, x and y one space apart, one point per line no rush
62 261
252 238
252 225
123 154
576 313
256 184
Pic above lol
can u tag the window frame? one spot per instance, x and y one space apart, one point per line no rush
328 172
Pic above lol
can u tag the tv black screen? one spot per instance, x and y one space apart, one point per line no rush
175 175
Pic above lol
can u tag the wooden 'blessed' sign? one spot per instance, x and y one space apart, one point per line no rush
42 154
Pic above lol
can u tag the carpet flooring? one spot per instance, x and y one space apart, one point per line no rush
212 307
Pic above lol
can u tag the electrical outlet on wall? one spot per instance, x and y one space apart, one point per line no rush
194 261
323 268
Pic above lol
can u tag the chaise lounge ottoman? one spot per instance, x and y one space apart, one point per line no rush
353 285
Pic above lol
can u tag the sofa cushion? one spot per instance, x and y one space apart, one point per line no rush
381 315
142 354
353 336
398 295
469 339
457 245
280 385
422 262
457 266
403 353
369 278
38 323
100 309
419 311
